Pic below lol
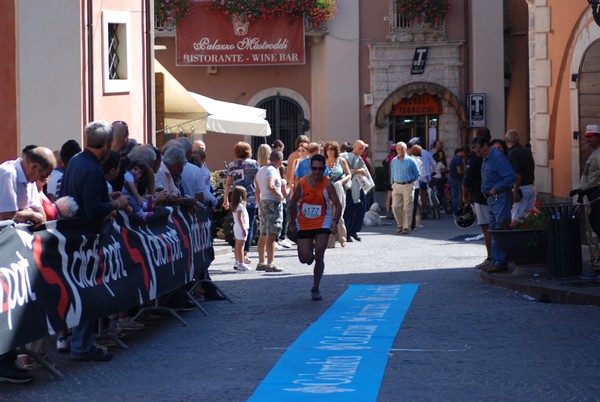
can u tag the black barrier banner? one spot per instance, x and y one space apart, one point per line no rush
72 271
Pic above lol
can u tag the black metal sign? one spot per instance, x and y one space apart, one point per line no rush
419 60
476 107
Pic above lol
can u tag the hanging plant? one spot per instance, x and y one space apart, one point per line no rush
316 11
171 12
428 11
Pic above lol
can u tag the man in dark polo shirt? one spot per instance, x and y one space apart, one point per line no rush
522 162
84 181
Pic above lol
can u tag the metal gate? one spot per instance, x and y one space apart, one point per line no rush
287 122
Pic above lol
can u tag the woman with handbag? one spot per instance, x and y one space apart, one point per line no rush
339 174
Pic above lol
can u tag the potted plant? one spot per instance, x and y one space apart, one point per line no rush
316 12
169 13
525 240
424 11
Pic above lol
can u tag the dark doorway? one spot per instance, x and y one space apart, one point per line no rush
287 122
589 101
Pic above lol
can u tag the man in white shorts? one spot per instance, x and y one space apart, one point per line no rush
472 195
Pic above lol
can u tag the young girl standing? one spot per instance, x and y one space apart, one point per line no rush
240 225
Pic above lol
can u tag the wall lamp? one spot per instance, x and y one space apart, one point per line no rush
594 5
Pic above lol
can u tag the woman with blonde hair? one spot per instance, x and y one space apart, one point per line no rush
262 155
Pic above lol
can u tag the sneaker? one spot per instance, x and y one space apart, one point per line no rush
14 376
129 324
278 246
262 266
247 260
243 267
486 263
315 294
273 268
285 243
98 355
63 345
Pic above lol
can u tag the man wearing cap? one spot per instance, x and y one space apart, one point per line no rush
589 185
522 162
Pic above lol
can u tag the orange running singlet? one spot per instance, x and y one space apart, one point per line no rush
314 208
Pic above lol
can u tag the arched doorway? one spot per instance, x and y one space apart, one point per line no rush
416 116
589 100
287 121
429 122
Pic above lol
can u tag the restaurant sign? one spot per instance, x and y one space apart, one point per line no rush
211 38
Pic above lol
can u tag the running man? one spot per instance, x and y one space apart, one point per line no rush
316 195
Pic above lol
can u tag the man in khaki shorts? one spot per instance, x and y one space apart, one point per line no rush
269 198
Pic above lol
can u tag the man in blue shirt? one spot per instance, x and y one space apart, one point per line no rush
404 172
497 180
84 181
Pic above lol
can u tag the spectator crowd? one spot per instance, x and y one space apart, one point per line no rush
320 198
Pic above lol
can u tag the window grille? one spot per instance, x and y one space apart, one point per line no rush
113 51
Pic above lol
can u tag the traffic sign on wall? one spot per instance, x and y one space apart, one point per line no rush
476 109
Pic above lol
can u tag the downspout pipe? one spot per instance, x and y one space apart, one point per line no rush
150 97
90 61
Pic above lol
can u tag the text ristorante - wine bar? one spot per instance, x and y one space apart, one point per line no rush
212 38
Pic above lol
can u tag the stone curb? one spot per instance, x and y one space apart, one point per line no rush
545 291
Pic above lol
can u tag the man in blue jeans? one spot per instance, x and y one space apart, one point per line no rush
497 180
355 197
455 177
84 181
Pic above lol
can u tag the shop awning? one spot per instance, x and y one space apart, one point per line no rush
233 118
181 109
184 109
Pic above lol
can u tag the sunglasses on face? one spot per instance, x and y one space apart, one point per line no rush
329 149
318 168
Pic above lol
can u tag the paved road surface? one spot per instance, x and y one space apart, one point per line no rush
461 340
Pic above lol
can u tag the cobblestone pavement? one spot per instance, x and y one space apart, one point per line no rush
461 340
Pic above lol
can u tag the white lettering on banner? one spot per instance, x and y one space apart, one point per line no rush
114 267
291 57
81 259
164 248
213 58
264 58
256 44
15 287
369 313
205 44
354 337
334 371
112 264
386 293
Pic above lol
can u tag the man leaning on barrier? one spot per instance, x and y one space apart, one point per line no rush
20 202
84 181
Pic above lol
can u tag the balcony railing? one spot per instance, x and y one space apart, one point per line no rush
168 29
